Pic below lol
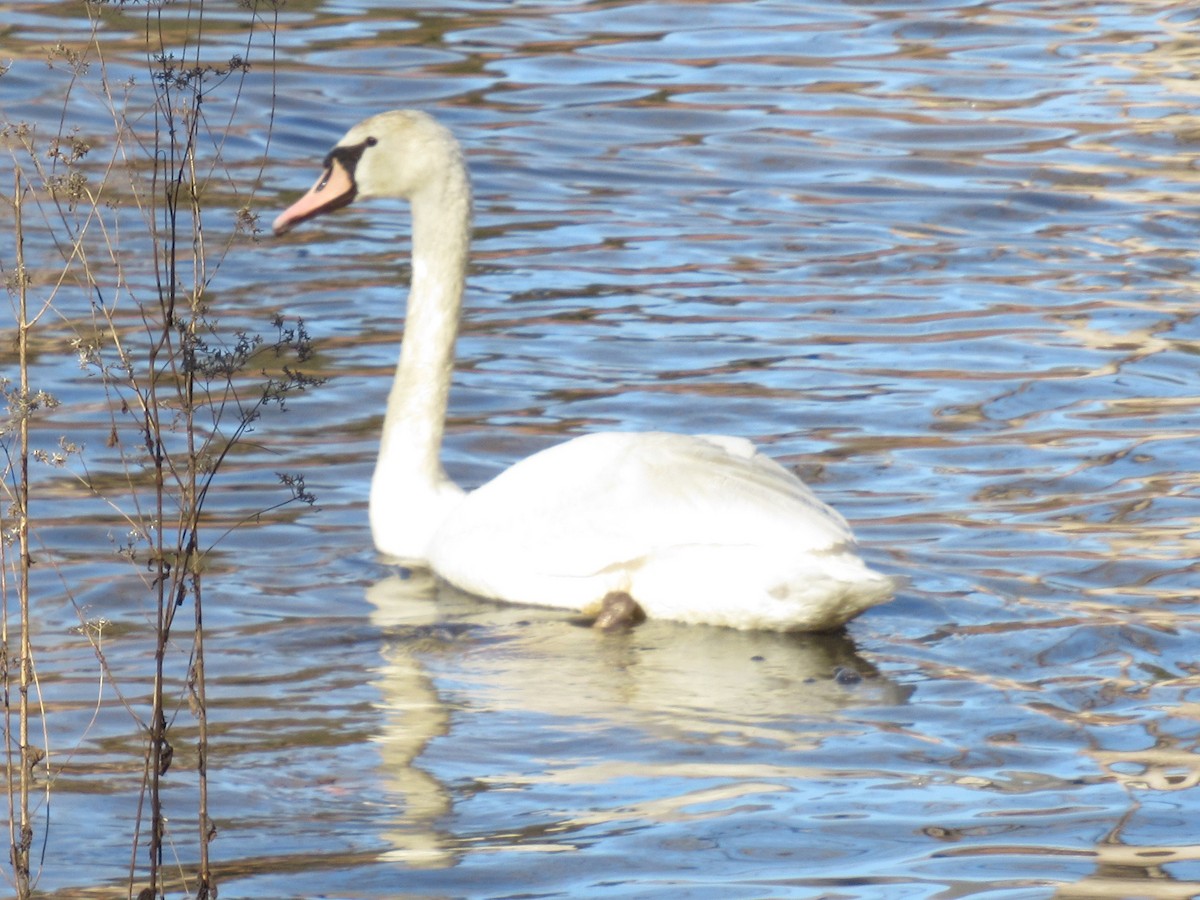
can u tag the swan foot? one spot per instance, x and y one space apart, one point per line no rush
618 612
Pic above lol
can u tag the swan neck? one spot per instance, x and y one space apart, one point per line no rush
409 471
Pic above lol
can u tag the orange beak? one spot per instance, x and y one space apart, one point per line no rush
333 190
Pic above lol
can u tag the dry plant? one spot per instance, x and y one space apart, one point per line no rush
125 264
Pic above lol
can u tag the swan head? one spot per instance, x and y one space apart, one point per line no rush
397 154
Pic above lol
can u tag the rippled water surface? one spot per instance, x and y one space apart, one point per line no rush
938 256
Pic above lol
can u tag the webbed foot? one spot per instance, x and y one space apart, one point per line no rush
618 611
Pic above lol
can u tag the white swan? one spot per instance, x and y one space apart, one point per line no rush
696 529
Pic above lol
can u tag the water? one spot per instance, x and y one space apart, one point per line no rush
940 257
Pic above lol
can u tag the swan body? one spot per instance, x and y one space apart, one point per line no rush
699 529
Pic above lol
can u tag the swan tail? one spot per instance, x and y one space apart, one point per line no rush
817 592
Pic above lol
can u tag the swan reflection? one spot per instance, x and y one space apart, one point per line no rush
631 703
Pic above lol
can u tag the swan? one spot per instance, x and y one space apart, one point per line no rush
697 529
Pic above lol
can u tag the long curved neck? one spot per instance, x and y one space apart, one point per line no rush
410 494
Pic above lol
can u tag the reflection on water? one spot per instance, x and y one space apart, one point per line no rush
938 257
660 686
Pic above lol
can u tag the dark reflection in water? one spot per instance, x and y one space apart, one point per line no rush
939 257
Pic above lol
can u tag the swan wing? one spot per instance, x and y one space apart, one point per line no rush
573 522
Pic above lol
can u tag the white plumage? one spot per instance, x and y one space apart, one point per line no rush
700 529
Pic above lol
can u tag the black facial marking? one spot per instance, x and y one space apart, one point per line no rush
348 155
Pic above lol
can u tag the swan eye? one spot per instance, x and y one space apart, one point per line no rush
371 142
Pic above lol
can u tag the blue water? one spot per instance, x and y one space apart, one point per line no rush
939 257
